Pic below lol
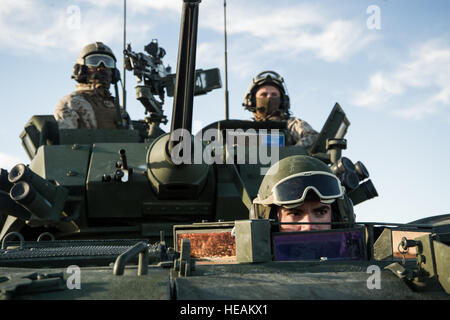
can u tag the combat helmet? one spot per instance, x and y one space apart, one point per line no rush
288 182
96 52
267 78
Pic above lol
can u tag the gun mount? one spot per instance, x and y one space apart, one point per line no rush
156 80
149 70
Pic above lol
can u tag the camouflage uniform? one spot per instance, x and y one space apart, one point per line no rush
276 108
87 107
301 132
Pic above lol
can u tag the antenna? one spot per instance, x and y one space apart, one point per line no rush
226 58
124 91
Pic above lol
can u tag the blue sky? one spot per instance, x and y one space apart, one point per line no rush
393 82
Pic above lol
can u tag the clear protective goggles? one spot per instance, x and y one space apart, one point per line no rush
291 191
262 76
94 60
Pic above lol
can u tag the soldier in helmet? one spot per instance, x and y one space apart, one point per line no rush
268 100
91 105
301 189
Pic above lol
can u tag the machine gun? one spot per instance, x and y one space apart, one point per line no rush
157 80
149 69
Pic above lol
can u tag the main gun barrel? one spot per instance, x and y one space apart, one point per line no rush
185 75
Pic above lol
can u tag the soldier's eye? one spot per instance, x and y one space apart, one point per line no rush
322 211
294 212
298 213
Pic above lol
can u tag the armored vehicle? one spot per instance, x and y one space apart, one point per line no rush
143 214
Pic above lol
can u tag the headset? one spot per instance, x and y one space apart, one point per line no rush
266 78
80 70
80 73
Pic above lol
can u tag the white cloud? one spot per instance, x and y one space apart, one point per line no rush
33 27
337 41
259 28
8 161
135 6
288 30
267 35
381 87
259 19
425 74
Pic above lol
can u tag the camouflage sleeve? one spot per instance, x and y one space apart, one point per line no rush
302 133
73 112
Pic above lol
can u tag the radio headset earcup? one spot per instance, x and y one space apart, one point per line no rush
115 76
248 102
79 73
286 103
